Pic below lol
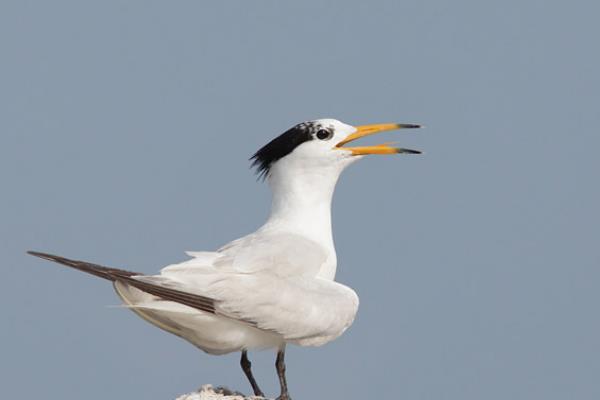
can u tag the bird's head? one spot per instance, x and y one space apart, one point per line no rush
321 146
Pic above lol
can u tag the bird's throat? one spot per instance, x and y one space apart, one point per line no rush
302 205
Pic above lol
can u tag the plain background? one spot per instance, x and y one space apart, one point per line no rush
126 128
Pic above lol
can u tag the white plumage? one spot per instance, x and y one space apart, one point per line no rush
273 286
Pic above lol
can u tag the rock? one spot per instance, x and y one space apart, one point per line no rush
207 392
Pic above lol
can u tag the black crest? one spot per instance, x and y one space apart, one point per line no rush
281 146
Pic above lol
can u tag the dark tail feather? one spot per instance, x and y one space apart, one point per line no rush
112 274
103 272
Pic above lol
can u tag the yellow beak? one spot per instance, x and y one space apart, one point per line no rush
368 130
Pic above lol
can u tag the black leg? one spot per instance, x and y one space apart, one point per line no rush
247 368
280 365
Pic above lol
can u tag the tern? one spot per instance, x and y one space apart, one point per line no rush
274 286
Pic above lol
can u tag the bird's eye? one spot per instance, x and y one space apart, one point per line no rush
324 134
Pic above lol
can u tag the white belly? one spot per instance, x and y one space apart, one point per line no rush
211 333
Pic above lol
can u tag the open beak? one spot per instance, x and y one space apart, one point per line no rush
368 130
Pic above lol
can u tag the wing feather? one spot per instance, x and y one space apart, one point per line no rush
113 274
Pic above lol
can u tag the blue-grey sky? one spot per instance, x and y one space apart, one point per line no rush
126 128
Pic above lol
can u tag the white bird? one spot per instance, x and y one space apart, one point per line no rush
276 285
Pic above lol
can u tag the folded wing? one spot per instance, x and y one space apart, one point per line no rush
306 310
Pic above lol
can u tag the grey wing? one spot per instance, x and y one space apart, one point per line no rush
311 311
308 310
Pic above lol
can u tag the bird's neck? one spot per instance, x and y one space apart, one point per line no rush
302 205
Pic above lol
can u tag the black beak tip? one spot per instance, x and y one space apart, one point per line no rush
409 151
409 126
